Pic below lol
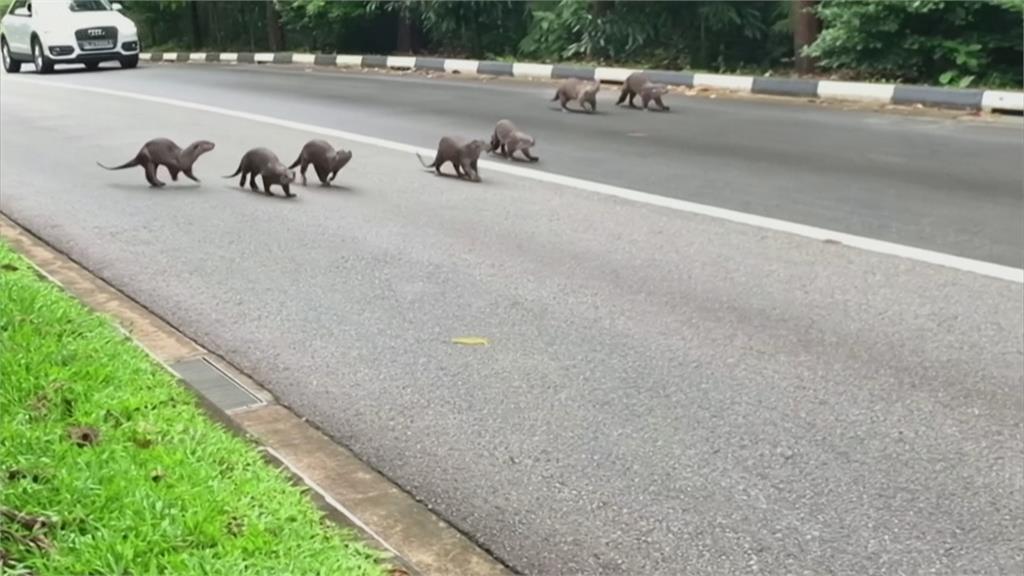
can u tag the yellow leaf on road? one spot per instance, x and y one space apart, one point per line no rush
471 341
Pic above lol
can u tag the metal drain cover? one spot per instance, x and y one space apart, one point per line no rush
222 390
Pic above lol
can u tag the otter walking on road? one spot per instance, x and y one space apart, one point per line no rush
584 94
325 160
462 155
164 152
638 84
263 162
508 140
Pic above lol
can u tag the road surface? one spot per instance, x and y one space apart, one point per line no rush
664 392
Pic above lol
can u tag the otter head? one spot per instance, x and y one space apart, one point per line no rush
475 147
194 151
341 158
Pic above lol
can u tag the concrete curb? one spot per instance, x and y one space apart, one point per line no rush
991 100
349 491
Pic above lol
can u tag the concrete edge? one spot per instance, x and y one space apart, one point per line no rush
900 94
347 490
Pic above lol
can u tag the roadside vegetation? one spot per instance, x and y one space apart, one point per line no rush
107 466
963 43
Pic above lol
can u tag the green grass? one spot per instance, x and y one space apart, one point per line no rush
164 490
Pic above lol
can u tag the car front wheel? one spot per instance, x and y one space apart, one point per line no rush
10 64
130 61
43 64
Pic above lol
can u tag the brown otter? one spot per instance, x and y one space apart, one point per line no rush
638 84
325 160
509 139
582 93
263 162
164 152
462 155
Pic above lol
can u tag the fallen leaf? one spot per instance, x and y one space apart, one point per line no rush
471 341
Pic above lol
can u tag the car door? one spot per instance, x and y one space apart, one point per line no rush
18 27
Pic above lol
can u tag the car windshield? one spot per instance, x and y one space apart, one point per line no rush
88 5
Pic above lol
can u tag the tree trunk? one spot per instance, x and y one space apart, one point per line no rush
197 31
404 43
275 33
805 25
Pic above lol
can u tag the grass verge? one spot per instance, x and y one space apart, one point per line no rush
107 466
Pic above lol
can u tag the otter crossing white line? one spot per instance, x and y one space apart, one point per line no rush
869 244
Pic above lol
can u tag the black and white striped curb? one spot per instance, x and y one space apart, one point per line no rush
998 100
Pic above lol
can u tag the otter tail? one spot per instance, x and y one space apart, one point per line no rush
425 165
237 171
128 164
297 162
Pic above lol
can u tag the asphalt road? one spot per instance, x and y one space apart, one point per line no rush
665 393
940 184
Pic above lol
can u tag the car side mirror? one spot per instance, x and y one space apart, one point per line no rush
21 12
117 6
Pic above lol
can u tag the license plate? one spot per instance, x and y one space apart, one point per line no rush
97 44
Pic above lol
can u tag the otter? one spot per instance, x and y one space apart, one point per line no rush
638 84
164 152
263 162
582 93
509 139
462 155
325 160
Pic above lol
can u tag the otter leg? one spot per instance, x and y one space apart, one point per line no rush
531 158
266 185
632 95
253 185
287 190
657 100
151 174
302 170
323 174
623 94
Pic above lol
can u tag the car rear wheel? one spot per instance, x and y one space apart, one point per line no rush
43 64
130 61
10 64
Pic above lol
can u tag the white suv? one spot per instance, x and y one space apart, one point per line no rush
48 32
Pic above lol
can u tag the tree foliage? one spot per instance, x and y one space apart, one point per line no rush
952 42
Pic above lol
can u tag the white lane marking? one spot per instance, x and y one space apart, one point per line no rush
869 244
